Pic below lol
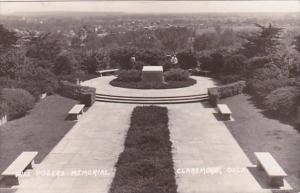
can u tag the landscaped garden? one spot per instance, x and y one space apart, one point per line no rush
146 163
264 63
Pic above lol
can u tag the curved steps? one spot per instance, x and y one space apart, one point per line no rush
152 100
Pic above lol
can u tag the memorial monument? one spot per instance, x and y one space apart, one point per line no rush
152 74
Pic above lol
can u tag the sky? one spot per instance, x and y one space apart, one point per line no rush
151 6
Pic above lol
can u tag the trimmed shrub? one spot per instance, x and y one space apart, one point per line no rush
153 85
283 100
176 74
129 75
224 91
19 101
86 95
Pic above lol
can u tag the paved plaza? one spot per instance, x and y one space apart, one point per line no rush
206 156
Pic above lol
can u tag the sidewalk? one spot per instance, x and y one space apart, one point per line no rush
85 156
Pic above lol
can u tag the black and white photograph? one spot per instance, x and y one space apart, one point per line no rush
149 96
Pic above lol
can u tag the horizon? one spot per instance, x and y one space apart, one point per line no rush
151 7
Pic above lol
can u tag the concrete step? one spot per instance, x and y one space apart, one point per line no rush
152 101
158 97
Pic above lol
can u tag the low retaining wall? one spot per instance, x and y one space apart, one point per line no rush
216 93
86 95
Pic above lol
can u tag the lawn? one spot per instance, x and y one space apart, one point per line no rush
254 131
146 165
39 131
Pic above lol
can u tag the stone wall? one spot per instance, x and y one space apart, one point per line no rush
216 93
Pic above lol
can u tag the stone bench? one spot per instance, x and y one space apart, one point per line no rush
224 111
76 111
23 162
101 72
266 162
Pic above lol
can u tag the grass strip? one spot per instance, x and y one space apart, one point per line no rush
146 165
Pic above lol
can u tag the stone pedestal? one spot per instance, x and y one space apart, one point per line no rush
152 74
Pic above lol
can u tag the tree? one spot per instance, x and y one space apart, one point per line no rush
12 63
173 39
217 62
235 64
187 60
66 64
7 38
205 41
266 79
95 60
45 47
121 57
296 43
257 62
147 41
263 42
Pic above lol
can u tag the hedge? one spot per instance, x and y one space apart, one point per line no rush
216 93
176 74
129 75
84 94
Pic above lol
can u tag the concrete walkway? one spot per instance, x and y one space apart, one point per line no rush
83 161
103 87
206 156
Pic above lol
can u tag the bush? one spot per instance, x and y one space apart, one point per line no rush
19 101
235 64
187 60
84 94
230 78
6 82
266 79
224 91
153 85
176 75
129 75
262 88
283 100
3 109
40 81
65 64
